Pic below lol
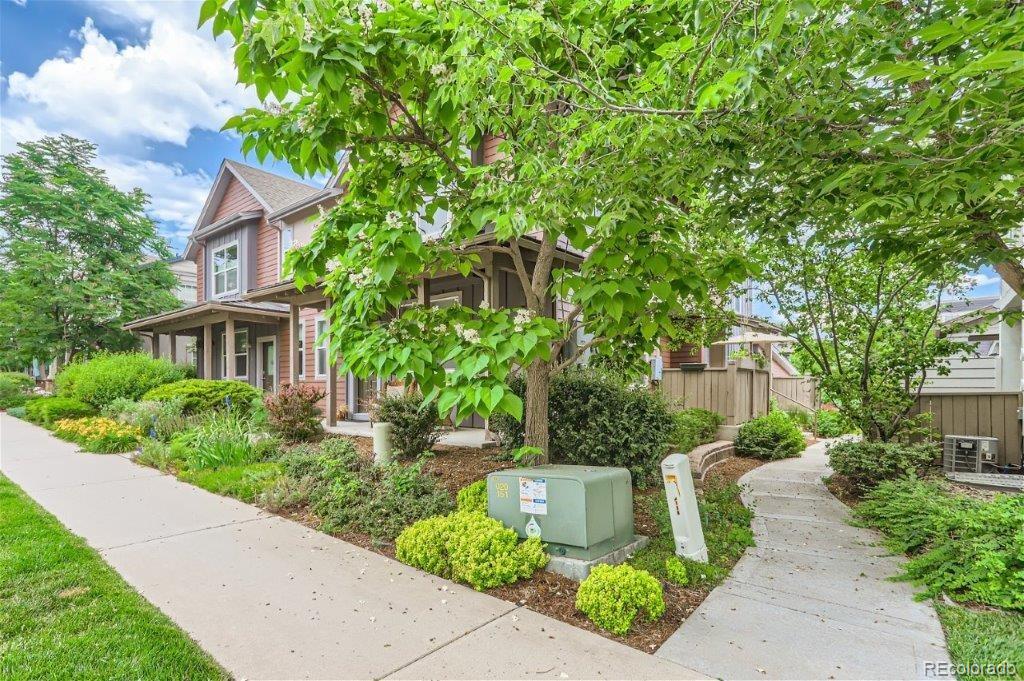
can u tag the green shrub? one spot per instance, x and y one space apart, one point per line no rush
293 413
803 419
415 426
471 548
473 497
833 424
869 463
162 420
14 389
47 410
695 427
17 412
199 395
223 439
613 595
107 377
245 482
772 436
284 494
160 455
969 549
598 420
675 570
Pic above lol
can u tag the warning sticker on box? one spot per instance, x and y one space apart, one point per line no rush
533 496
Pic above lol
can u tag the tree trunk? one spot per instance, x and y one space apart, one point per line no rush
538 378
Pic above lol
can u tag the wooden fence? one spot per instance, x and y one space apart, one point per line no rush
796 392
737 392
989 414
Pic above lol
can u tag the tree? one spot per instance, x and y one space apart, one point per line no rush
411 89
867 327
75 258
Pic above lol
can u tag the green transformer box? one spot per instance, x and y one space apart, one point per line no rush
578 511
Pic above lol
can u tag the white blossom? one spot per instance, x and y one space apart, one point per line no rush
273 108
439 70
522 318
484 305
358 95
1006 178
393 219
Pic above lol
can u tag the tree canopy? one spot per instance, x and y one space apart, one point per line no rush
78 258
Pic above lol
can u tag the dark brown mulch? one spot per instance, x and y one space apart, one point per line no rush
843 489
460 466
732 469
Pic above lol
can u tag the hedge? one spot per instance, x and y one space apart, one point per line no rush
48 410
200 394
107 377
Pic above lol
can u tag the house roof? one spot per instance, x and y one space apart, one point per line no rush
274 190
209 307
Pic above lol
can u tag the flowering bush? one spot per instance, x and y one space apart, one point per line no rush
293 413
612 596
98 434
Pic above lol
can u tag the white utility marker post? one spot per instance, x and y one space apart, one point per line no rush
682 508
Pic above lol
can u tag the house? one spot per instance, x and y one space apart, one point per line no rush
250 323
185 291
994 364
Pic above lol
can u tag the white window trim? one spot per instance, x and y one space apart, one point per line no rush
224 354
317 347
447 295
282 250
238 269
302 350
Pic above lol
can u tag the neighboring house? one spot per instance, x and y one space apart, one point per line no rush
251 324
185 350
994 364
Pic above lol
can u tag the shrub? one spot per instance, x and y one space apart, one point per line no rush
284 494
160 455
223 439
869 463
46 410
597 420
163 420
833 423
694 427
415 426
293 413
772 436
393 498
107 377
16 412
803 419
199 395
471 548
14 388
675 570
969 549
613 595
98 434
473 497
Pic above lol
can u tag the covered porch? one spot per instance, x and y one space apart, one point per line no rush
234 340
474 438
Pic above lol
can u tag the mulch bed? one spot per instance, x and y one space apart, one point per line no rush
548 593
843 489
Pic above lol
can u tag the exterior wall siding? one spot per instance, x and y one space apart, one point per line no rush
267 247
201 274
236 199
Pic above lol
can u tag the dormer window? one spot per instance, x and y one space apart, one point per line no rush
225 270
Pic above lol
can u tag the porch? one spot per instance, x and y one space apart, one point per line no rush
474 438
233 340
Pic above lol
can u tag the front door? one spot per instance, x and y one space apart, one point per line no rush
267 360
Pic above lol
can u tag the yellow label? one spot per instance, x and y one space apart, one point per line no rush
502 488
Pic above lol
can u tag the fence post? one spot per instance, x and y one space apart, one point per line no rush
730 393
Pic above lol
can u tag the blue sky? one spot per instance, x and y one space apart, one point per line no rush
140 80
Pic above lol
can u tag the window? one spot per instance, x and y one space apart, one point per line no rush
225 270
287 239
321 346
446 299
241 354
302 349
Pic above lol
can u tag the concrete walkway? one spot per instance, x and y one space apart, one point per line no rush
812 600
269 598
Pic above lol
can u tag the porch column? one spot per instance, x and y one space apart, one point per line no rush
332 384
173 338
156 345
229 348
207 351
493 293
293 336
423 292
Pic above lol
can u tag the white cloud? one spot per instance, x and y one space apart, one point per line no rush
978 279
176 196
176 82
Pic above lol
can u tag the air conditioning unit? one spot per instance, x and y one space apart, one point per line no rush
969 453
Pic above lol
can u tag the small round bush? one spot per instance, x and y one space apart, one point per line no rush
770 437
613 595
471 548
868 463
107 377
675 570
415 426
200 395
47 410
292 412
694 427
14 388
473 497
833 424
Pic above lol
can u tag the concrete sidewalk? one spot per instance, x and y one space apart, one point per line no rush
813 599
269 598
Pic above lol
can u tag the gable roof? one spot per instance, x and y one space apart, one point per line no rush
273 192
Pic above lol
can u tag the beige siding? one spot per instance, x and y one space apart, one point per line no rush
796 392
991 415
737 393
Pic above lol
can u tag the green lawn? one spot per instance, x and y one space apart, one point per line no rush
64 613
984 637
244 481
